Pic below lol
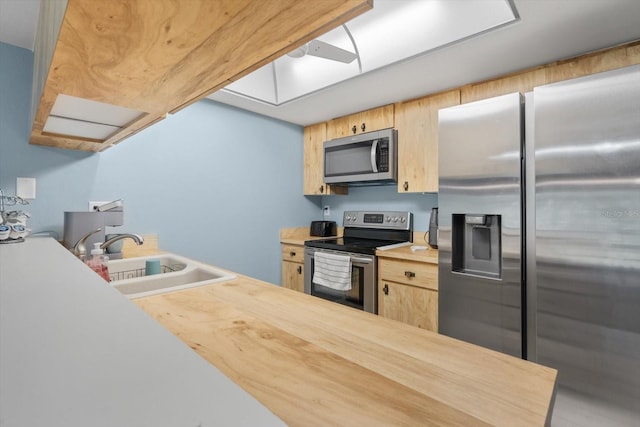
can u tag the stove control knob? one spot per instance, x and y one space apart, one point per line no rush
395 219
348 218
403 219
388 219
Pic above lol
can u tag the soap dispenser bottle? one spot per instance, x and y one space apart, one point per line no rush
98 261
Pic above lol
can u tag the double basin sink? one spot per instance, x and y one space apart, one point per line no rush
176 273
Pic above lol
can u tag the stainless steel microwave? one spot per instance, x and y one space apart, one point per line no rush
365 158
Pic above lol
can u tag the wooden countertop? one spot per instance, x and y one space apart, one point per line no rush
298 235
313 362
405 253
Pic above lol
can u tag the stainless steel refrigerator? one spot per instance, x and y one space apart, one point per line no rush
539 236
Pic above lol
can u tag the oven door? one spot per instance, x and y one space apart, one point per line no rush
363 294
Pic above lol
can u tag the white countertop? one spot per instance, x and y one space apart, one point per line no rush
75 352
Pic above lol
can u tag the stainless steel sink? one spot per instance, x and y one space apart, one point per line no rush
178 273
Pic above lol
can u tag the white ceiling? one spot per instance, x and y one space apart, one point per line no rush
392 32
548 30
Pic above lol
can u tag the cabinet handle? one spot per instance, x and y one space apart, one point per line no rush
385 289
410 274
292 253
299 269
354 129
406 186
363 126
322 188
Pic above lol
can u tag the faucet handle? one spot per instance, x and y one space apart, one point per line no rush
79 249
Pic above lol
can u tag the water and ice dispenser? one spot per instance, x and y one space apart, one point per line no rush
477 245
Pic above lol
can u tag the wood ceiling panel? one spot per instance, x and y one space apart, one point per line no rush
159 56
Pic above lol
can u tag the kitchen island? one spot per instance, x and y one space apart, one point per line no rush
74 352
306 360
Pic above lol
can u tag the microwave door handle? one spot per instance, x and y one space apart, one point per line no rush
374 150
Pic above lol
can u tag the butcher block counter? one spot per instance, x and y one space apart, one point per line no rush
317 363
76 352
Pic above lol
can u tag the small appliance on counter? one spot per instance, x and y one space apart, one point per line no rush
323 228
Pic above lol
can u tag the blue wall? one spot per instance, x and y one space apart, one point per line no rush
216 183
383 198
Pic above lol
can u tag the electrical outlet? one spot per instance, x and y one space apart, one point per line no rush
326 211
93 205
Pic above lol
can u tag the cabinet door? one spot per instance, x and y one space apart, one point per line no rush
364 121
376 119
408 304
342 126
293 276
417 124
314 137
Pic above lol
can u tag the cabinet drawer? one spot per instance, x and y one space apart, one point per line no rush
293 253
409 272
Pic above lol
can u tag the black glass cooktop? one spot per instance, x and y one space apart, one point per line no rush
357 245
367 231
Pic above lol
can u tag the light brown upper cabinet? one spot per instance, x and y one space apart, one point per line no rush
417 124
122 65
314 137
364 121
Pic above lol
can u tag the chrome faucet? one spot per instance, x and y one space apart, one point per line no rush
135 237
79 249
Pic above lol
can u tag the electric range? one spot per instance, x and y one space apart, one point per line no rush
364 232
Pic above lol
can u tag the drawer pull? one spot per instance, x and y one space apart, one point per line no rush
385 289
292 253
410 274
299 269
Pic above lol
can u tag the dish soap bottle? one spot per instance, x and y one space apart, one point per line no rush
98 261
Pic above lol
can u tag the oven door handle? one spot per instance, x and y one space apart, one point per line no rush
362 260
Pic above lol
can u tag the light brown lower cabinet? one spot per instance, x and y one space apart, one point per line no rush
408 292
293 267
409 304
293 276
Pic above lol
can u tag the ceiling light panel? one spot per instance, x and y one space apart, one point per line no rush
85 118
78 128
260 85
299 76
393 31
396 30
93 111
